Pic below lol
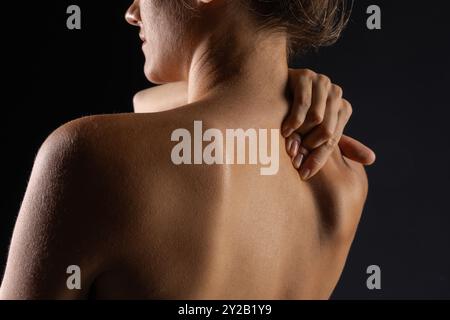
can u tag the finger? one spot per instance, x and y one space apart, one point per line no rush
302 88
356 151
316 112
319 156
293 143
327 128
302 154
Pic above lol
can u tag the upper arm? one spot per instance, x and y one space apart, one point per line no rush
53 230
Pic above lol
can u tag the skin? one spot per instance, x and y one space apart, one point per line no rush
332 110
104 194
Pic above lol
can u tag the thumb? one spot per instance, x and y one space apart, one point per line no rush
356 151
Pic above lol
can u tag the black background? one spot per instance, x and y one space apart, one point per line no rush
397 79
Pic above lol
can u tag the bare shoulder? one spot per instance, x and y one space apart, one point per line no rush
106 147
87 178
65 217
108 135
90 168
124 151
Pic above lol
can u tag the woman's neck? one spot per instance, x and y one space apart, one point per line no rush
239 68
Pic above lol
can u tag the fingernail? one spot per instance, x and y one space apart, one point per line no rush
304 174
286 132
294 148
298 161
289 145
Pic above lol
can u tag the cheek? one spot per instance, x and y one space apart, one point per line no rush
165 50
166 58
162 61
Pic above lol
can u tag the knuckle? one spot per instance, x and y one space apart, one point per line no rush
323 80
336 91
347 107
301 83
326 133
307 73
315 118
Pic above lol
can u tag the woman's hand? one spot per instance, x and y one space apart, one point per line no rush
313 127
316 122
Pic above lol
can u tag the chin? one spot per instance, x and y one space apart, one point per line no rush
151 75
162 73
156 77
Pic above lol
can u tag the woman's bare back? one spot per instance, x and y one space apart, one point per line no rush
222 231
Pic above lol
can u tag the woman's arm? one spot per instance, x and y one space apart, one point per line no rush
56 227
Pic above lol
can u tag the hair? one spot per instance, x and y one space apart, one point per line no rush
309 24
